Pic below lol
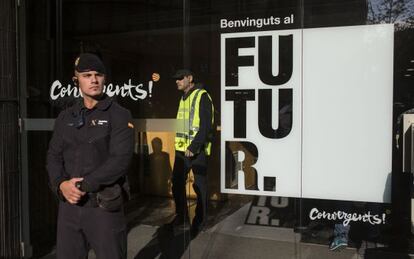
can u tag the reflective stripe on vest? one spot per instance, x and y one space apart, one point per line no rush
192 116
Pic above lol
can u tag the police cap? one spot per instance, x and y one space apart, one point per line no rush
89 62
181 73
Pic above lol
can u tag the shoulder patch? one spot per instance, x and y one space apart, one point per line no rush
130 125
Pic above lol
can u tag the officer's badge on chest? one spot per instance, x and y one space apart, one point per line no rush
97 122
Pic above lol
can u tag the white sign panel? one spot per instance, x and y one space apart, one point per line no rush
261 104
307 113
347 112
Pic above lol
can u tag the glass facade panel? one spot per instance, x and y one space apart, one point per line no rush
311 148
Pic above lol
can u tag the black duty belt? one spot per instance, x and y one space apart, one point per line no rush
89 201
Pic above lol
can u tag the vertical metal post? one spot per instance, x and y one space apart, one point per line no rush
407 156
186 34
58 42
22 82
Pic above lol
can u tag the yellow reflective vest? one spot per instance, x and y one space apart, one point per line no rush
189 114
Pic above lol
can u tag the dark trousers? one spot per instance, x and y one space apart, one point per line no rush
182 166
81 228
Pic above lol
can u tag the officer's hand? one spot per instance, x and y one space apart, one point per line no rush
188 153
70 192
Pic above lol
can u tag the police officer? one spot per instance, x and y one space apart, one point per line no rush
87 161
193 147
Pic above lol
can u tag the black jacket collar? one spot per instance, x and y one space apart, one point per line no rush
195 87
103 104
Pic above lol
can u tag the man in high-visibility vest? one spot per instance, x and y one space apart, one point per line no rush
193 147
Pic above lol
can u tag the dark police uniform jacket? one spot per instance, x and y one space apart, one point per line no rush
95 144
